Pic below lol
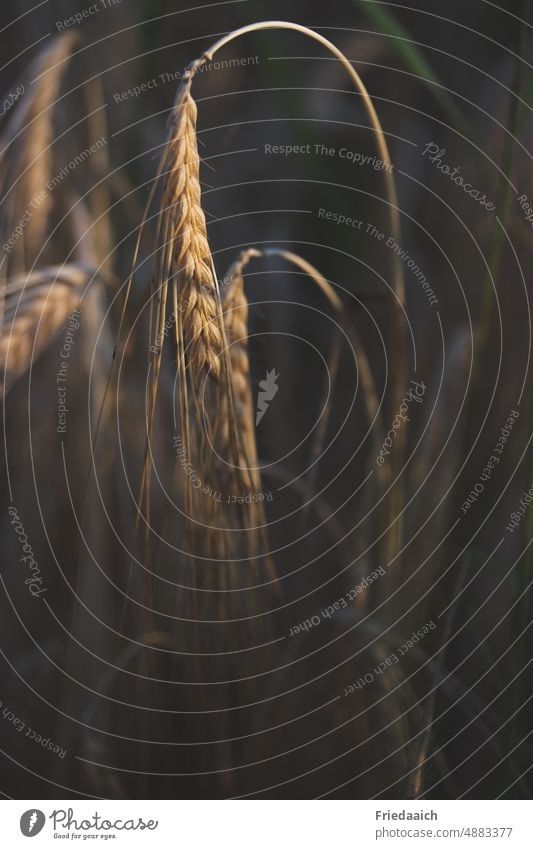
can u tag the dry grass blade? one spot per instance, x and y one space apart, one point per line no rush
365 371
346 326
310 270
37 306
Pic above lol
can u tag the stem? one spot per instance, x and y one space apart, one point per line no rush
311 271
398 343
390 183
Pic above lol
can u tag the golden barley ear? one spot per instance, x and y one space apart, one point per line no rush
185 257
185 289
184 280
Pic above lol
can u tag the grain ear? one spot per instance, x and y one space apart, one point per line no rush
26 155
236 407
186 256
36 306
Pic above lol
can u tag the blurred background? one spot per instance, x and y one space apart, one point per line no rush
106 654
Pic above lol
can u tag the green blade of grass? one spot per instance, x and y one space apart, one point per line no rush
412 58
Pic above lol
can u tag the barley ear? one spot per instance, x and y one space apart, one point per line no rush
236 407
186 257
36 306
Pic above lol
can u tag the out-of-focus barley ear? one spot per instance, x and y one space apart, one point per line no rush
99 198
36 306
26 154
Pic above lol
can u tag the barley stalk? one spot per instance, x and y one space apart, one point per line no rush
184 263
397 330
26 158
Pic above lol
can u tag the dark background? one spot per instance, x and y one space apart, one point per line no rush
125 693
